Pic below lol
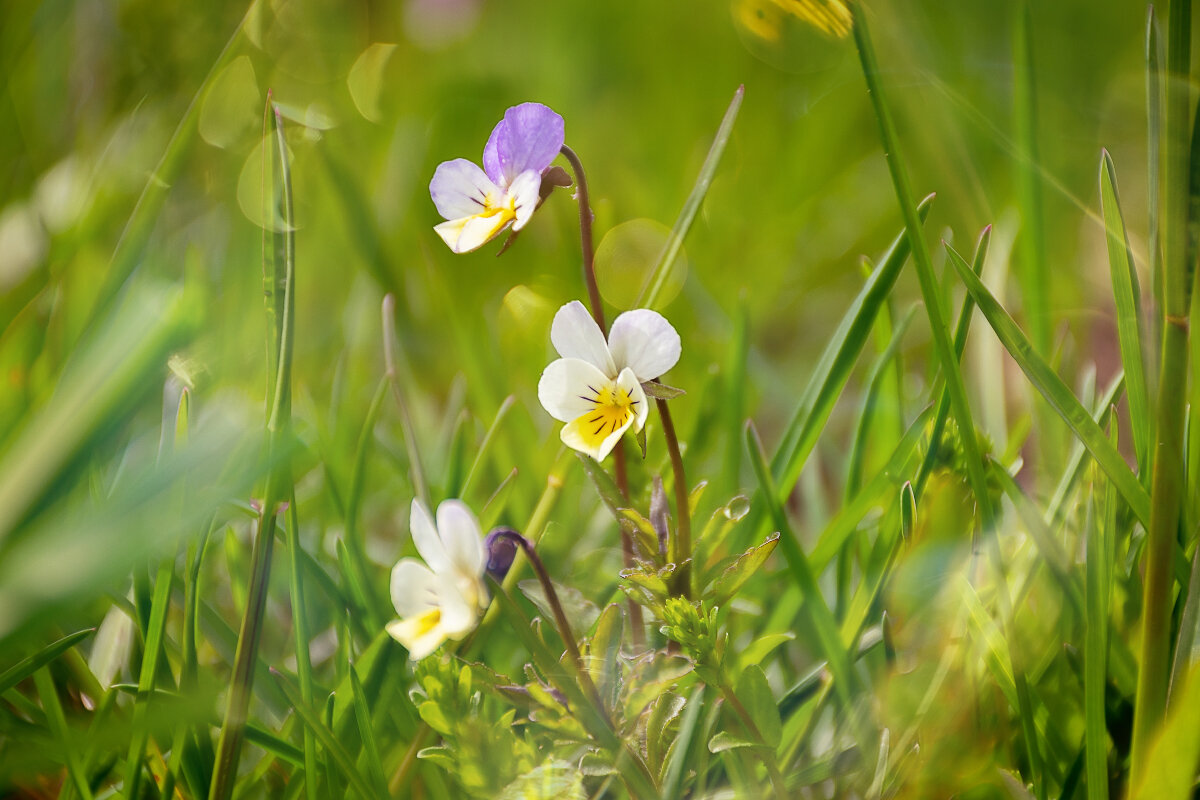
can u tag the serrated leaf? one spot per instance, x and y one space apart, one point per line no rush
745 565
664 710
754 693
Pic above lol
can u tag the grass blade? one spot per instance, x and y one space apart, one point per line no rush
278 488
301 629
844 679
31 664
930 290
58 727
333 748
363 716
1101 530
1051 387
1035 283
838 359
657 279
1129 323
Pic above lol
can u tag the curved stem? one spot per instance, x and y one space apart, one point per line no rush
585 237
560 616
681 549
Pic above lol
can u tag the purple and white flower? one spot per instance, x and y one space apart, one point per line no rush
596 387
479 204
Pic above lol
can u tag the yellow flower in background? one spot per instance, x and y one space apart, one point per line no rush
765 18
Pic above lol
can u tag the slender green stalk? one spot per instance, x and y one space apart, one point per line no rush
930 290
149 671
278 488
420 482
1035 283
1167 483
58 727
302 631
681 549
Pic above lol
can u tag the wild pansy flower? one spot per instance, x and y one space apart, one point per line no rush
441 598
596 387
478 204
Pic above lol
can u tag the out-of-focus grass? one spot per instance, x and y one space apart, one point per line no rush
373 98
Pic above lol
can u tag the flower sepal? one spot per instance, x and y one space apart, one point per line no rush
660 391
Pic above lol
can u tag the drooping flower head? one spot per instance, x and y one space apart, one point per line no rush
479 204
441 598
596 387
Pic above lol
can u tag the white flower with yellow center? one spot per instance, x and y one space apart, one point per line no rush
441 598
596 387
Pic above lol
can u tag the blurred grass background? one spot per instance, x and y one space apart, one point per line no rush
376 95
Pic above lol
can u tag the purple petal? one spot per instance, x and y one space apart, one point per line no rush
528 138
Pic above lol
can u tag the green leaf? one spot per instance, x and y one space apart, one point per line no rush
803 576
333 747
761 647
660 391
724 740
363 715
740 571
1051 387
31 664
604 484
605 650
833 369
1126 294
581 612
1175 754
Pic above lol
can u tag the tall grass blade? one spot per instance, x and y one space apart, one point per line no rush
836 362
1051 387
930 291
1035 283
31 664
657 279
302 631
333 748
845 680
1129 322
278 489
58 728
1101 530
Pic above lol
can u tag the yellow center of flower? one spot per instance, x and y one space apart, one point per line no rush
425 622
505 205
611 409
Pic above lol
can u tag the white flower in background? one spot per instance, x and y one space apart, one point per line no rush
441 598
596 387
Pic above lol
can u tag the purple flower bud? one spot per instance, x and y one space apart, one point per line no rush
501 550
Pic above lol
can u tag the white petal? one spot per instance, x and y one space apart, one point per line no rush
526 192
458 614
461 189
471 233
645 342
566 385
414 588
418 638
425 537
575 334
641 406
461 538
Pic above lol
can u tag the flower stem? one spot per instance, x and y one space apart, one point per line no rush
681 549
588 250
585 237
1167 481
560 616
